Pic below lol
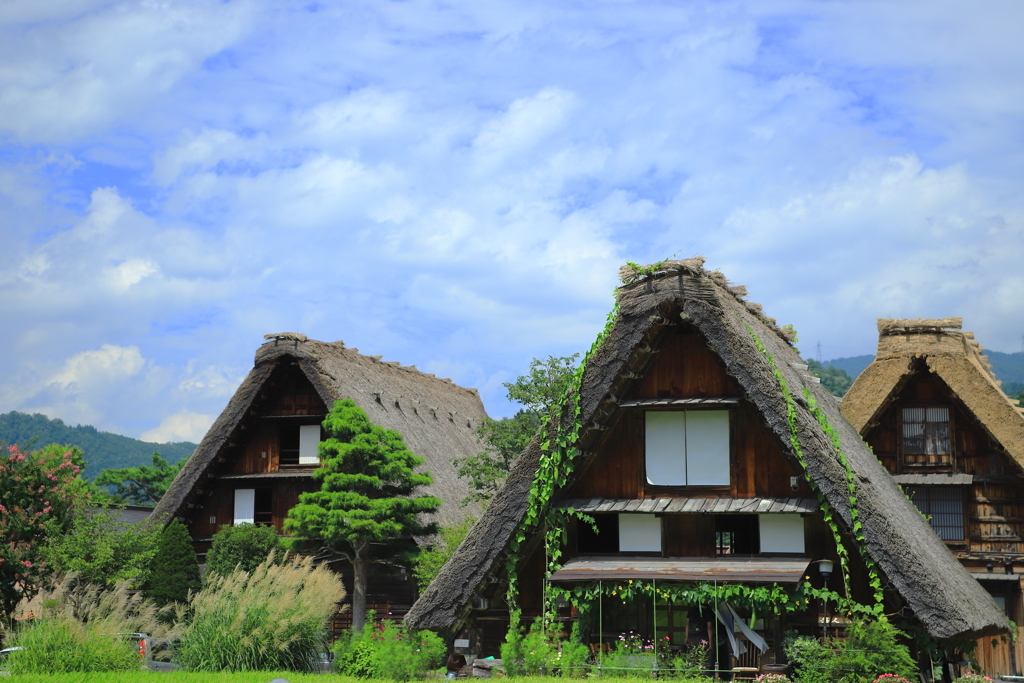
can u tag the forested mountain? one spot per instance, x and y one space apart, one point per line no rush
853 365
1009 368
103 450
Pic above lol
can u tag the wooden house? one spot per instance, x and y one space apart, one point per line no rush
260 454
710 463
932 410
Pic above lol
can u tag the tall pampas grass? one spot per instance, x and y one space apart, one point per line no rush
82 628
273 618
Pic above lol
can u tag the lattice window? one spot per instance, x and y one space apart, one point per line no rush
926 436
944 507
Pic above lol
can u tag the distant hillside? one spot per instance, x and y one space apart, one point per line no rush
854 365
103 450
1009 368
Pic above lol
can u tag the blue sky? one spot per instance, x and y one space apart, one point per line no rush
454 185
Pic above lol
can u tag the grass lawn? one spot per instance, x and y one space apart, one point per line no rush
182 677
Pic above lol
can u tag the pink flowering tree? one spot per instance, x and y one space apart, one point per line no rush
39 494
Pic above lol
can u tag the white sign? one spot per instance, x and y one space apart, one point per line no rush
462 642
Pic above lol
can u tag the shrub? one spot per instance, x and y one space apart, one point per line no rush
387 650
572 660
271 619
244 546
809 659
870 649
512 653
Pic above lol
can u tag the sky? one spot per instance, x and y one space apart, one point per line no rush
455 184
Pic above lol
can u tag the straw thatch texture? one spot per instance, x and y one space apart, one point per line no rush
436 418
954 357
913 560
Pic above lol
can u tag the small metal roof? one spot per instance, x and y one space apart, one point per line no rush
679 401
703 505
280 474
934 479
993 576
745 570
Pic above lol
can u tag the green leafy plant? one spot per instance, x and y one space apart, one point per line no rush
537 650
869 650
388 650
101 549
428 562
573 657
244 546
142 485
503 440
272 618
402 655
40 492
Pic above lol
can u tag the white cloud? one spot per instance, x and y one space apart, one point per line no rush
74 72
457 184
108 363
183 426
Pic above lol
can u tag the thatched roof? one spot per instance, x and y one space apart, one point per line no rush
436 418
955 357
911 557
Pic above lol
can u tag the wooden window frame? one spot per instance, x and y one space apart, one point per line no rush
903 465
677 490
964 509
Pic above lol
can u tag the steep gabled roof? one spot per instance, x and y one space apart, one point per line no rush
436 418
911 557
955 357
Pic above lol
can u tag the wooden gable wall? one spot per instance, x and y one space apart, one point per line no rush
994 504
286 399
687 368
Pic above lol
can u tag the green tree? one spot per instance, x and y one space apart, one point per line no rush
505 439
429 561
40 492
104 550
245 546
367 484
834 379
174 569
141 485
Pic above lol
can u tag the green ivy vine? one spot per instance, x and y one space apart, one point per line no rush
557 461
858 531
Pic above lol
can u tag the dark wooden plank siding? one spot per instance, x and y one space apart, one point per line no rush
689 535
614 472
685 368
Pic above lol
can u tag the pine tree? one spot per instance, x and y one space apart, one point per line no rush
367 483
174 569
